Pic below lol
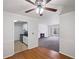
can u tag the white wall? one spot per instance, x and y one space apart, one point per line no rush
45 22
9 32
25 27
18 29
50 20
67 33
8 35
43 28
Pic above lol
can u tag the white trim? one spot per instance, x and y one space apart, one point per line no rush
8 56
66 54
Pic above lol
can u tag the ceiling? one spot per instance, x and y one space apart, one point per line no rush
20 6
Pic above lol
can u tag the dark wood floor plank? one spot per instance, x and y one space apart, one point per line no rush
65 57
38 53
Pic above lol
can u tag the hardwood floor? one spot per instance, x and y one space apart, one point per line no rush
38 53
65 57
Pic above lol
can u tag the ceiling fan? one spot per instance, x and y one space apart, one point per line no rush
40 6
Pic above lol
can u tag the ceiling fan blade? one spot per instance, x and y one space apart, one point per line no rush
30 2
29 10
51 9
47 1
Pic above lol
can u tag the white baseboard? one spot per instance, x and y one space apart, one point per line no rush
8 56
66 54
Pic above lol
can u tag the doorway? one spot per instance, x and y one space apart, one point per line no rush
20 36
50 39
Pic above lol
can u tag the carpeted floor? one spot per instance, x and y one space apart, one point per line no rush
50 43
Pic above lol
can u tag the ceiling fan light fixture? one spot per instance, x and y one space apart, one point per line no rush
40 6
39 9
